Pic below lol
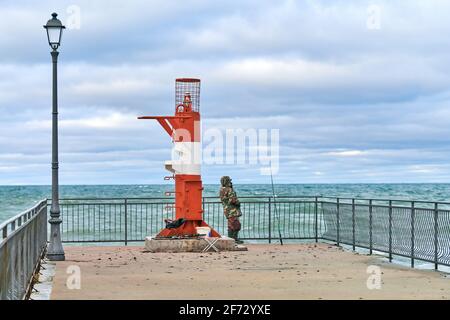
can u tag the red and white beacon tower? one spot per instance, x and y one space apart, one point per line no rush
184 128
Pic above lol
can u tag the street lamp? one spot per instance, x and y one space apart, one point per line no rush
55 250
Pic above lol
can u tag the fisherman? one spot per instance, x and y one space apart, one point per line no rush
231 207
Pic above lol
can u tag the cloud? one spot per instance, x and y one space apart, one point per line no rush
346 153
111 121
352 104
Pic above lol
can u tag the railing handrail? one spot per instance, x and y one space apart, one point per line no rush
172 198
21 215
385 199
262 197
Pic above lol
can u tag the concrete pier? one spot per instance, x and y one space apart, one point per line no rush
291 271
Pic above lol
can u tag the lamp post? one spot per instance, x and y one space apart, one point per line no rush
55 250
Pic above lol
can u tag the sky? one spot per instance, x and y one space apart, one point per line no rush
359 90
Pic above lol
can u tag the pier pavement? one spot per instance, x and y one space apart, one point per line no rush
291 271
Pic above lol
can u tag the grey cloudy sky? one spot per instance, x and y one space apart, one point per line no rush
353 103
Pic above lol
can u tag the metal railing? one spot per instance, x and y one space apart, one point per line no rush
132 219
23 242
419 230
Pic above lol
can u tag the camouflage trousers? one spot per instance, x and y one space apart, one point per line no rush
234 224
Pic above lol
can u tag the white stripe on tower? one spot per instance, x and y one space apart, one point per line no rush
186 158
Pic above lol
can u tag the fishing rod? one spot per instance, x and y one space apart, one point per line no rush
275 206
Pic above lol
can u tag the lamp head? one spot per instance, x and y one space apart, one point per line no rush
54 29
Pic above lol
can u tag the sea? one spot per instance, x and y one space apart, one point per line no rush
15 199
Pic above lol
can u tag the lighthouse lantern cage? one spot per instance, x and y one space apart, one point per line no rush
188 86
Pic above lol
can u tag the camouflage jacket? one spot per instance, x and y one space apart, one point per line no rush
230 202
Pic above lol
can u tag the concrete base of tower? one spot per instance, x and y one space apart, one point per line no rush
188 228
192 245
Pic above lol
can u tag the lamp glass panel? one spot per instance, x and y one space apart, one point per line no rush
54 35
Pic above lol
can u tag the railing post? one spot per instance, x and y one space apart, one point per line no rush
316 220
413 211
126 221
370 227
270 220
203 208
436 244
390 230
337 222
353 223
